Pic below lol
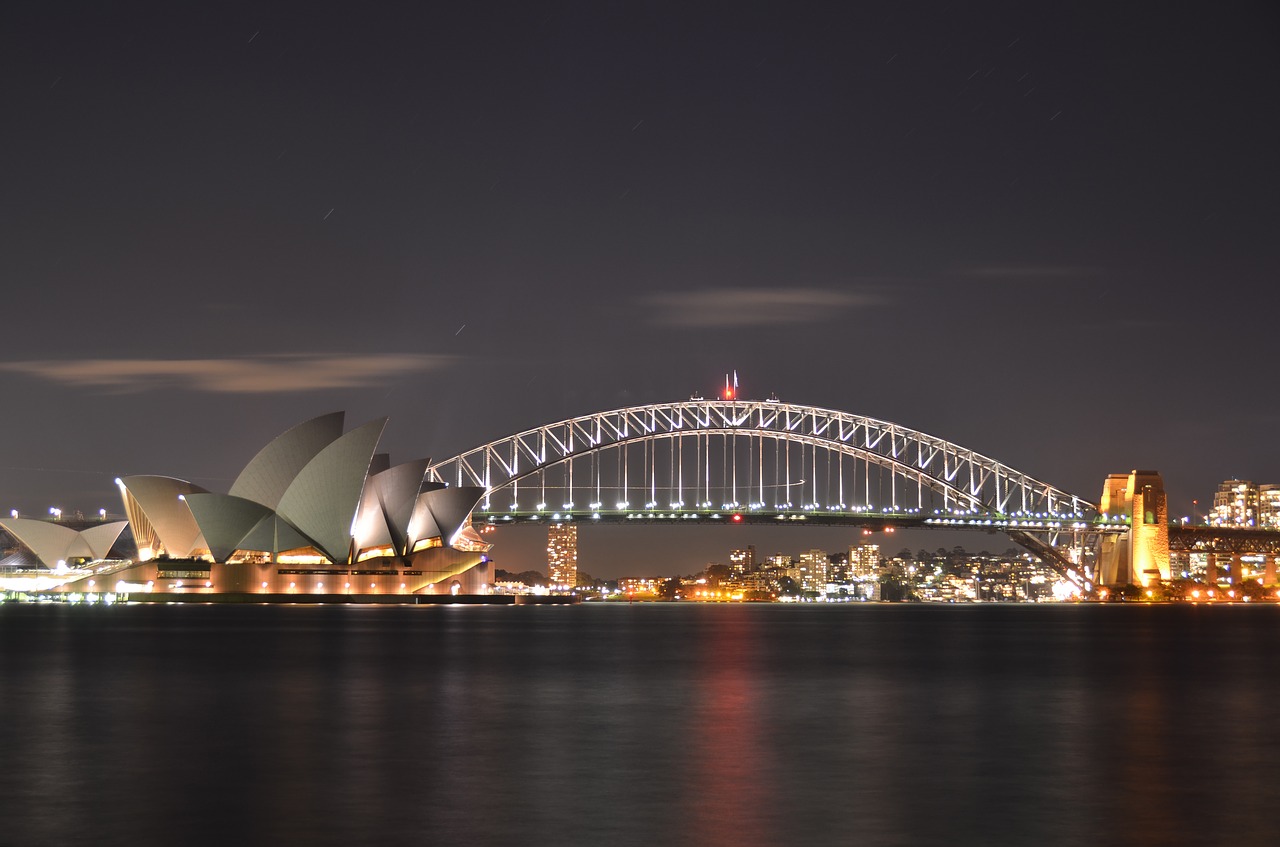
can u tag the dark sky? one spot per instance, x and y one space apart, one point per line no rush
1049 234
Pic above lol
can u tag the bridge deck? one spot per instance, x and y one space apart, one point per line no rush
815 517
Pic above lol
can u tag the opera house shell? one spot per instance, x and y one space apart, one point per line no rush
317 511
55 544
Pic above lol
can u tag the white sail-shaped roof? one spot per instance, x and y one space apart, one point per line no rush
371 529
53 542
159 498
322 499
451 507
274 535
397 489
422 524
49 541
270 473
311 487
387 505
101 538
225 520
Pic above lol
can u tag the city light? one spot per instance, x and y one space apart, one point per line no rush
717 457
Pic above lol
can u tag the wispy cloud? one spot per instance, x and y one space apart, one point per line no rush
1016 273
1129 325
743 307
247 375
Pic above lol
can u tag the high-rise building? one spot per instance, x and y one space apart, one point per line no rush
1269 506
864 561
813 570
1235 503
743 561
838 569
562 555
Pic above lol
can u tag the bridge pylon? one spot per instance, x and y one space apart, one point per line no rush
1140 556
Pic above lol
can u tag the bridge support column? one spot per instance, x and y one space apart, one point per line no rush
1237 569
1143 557
1211 569
1183 565
1269 569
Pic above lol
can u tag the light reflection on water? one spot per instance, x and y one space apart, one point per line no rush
646 724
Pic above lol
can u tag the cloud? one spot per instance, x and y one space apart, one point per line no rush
247 375
743 307
1129 325
1027 272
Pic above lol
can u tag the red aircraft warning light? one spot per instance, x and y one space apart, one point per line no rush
736 518
731 388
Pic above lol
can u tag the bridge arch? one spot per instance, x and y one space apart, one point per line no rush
958 480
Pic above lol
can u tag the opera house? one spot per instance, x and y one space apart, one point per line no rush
317 512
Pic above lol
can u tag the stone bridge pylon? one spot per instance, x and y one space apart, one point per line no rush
1140 556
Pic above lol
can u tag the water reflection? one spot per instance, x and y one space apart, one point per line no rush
737 725
732 801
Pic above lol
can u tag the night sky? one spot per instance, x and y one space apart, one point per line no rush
1048 234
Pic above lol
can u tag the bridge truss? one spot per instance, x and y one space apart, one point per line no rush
755 460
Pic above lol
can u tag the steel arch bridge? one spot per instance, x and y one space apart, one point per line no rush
759 461
766 461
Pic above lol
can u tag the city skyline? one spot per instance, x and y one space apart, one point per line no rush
811 350
1238 503
1018 229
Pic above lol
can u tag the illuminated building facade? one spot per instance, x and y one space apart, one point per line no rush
864 561
1236 503
743 561
813 570
641 585
1269 506
562 556
317 511
1239 502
